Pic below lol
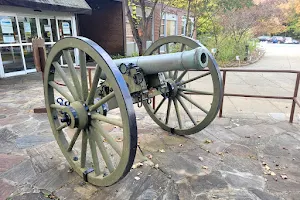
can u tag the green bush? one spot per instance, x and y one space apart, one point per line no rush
228 48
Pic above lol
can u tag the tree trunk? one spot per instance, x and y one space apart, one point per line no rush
134 28
188 17
140 39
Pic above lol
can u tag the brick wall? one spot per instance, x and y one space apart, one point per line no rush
157 21
170 10
105 26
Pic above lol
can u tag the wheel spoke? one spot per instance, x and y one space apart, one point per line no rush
103 151
177 113
102 101
166 75
181 76
175 75
83 149
108 137
62 126
193 102
167 48
69 60
91 95
74 139
61 91
171 75
94 153
195 78
191 91
83 74
65 79
55 106
159 105
182 47
186 110
168 110
103 118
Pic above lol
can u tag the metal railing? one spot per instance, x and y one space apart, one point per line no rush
293 98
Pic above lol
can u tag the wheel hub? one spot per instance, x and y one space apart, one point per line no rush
173 88
76 115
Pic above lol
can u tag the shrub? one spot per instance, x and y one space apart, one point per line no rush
228 48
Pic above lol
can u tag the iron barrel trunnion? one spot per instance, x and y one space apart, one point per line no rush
167 73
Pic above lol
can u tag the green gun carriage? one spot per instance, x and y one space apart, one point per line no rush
80 116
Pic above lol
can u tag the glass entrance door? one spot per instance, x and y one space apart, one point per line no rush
10 48
28 31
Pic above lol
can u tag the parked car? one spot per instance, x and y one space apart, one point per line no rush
278 39
264 38
288 40
295 42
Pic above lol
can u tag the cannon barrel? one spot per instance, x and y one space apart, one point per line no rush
187 60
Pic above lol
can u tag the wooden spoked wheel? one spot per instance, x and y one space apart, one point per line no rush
185 90
80 129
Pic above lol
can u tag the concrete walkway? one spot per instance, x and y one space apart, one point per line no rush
278 56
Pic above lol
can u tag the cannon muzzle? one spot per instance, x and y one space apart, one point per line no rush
187 60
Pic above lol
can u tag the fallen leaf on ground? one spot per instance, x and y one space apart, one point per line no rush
220 153
283 176
200 158
204 167
137 178
149 156
156 166
137 165
208 141
70 170
252 157
267 168
273 173
139 173
162 151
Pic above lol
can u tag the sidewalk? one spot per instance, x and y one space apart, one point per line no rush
245 155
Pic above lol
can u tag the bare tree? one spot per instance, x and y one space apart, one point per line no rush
140 24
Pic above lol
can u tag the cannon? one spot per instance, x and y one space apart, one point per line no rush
166 81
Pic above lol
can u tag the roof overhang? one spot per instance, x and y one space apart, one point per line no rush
73 6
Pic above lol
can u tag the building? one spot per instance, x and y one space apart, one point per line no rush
23 20
103 21
112 30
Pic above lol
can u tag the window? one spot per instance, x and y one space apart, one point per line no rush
65 28
190 26
48 30
28 29
162 27
171 27
12 58
8 31
168 25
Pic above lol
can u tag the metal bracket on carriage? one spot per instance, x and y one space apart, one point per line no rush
86 172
